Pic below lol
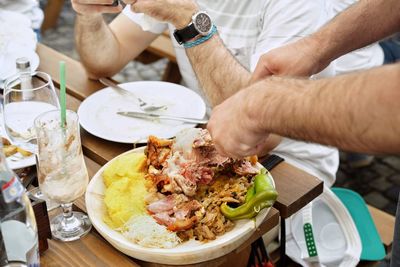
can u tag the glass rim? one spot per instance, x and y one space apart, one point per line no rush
15 77
58 118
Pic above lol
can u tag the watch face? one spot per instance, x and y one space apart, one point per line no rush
203 23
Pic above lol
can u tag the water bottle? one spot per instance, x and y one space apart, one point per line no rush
18 231
24 71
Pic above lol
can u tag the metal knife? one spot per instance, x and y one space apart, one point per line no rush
143 115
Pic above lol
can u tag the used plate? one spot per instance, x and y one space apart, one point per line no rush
98 113
17 161
188 252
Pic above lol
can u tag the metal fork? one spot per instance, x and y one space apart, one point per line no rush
147 107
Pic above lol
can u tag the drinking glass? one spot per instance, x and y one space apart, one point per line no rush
27 95
62 172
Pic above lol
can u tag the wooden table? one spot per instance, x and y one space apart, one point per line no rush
296 188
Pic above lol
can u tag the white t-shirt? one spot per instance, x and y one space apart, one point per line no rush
360 59
250 29
29 8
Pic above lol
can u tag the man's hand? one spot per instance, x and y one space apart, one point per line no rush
235 132
177 12
95 7
300 58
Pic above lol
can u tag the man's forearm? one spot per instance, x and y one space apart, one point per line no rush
219 73
96 45
366 22
357 112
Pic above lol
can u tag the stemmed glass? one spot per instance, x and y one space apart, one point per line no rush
62 172
23 102
27 95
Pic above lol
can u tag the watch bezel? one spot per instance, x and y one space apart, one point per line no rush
196 26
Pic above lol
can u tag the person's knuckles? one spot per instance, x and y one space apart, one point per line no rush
241 147
141 7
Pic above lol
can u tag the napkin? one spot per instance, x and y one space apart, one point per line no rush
17 39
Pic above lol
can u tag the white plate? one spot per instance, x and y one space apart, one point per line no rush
16 161
186 253
20 162
98 113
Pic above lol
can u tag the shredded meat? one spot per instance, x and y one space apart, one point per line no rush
175 211
157 151
188 187
244 167
212 223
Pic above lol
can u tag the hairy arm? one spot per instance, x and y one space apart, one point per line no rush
106 49
362 24
366 22
219 73
356 112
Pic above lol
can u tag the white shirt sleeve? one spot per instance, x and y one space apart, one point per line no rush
144 22
285 21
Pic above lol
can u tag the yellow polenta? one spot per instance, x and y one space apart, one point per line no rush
125 189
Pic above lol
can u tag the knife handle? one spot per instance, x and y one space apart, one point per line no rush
190 120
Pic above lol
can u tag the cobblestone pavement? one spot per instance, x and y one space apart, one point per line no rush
378 183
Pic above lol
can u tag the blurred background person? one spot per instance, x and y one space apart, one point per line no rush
29 8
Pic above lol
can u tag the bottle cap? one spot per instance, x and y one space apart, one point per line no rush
23 63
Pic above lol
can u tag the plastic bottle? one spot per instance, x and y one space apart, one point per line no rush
18 230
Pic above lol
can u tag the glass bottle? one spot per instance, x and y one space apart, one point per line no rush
18 231
24 71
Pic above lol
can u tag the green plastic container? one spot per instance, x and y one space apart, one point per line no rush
372 247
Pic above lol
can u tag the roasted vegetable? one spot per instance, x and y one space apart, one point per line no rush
260 195
252 208
250 193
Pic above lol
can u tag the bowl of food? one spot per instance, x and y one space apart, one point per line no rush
177 201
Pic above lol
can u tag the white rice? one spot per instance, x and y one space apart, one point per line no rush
145 231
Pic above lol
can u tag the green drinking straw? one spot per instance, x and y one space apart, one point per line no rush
62 94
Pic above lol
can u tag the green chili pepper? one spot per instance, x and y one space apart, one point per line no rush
263 181
261 194
250 193
251 208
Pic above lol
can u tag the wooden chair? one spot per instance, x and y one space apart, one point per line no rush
51 14
162 48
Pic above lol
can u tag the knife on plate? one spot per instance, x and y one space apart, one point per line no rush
143 115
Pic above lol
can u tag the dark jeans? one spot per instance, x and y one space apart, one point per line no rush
395 261
391 49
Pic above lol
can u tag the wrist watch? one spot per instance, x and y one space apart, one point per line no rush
201 25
